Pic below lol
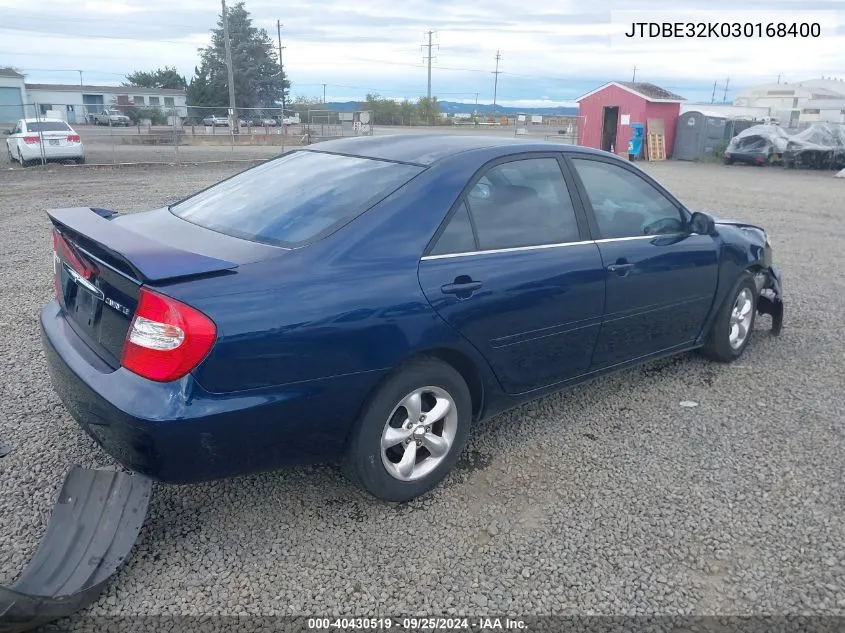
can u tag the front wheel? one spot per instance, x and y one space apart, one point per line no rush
734 322
411 432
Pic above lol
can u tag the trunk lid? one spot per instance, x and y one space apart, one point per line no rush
99 267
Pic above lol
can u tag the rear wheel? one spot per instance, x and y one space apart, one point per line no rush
411 432
80 160
24 163
732 328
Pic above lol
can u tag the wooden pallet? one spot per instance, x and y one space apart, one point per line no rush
656 146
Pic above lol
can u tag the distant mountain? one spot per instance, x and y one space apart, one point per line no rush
487 108
453 107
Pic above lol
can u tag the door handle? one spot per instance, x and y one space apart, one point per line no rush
460 287
620 268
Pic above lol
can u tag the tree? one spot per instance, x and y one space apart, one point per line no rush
428 111
258 78
167 77
302 104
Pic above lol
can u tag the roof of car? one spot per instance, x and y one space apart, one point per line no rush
44 120
426 149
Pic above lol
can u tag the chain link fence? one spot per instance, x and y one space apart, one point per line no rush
558 129
125 134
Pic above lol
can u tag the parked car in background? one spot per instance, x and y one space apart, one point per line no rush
757 145
820 146
269 122
291 314
216 121
112 117
53 139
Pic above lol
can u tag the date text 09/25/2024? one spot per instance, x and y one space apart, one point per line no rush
476 624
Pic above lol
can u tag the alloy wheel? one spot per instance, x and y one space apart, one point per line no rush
419 433
740 321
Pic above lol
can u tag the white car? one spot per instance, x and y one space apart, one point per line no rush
58 140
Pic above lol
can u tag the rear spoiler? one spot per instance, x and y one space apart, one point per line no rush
149 260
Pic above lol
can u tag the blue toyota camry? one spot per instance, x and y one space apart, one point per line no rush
368 300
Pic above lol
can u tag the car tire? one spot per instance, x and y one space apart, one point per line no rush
729 161
24 163
407 468
734 323
80 161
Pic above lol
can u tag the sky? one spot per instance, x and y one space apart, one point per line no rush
551 52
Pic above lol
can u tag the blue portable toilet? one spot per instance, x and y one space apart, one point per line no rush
635 145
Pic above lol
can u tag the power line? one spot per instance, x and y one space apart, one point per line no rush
98 37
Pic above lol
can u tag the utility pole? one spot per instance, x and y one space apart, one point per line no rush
80 77
476 100
634 78
713 96
428 59
778 78
725 96
496 73
229 71
279 26
324 93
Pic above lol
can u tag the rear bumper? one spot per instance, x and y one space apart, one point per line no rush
51 152
178 433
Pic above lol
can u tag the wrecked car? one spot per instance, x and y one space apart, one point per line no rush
757 145
290 314
820 146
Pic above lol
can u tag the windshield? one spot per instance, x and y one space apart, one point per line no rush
47 126
294 198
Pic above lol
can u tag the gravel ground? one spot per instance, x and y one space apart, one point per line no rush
609 499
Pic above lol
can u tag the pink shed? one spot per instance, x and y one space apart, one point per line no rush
607 112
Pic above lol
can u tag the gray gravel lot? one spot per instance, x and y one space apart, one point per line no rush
608 499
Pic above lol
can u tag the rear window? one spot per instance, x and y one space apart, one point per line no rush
294 198
47 126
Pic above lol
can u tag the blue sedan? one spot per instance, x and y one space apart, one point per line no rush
367 300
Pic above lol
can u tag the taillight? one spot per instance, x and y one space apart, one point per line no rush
74 138
29 140
64 248
167 338
57 284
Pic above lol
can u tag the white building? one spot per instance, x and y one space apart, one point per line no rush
788 101
76 102
12 95
727 110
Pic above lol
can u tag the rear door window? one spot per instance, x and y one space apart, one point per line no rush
520 203
295 198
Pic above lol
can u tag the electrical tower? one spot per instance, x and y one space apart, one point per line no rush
427 58
496 74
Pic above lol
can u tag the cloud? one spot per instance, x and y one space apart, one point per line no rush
550 52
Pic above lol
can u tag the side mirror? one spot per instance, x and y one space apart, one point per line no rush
702 224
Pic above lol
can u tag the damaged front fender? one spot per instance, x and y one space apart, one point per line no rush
94 524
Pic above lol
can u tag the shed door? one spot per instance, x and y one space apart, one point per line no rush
11 105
